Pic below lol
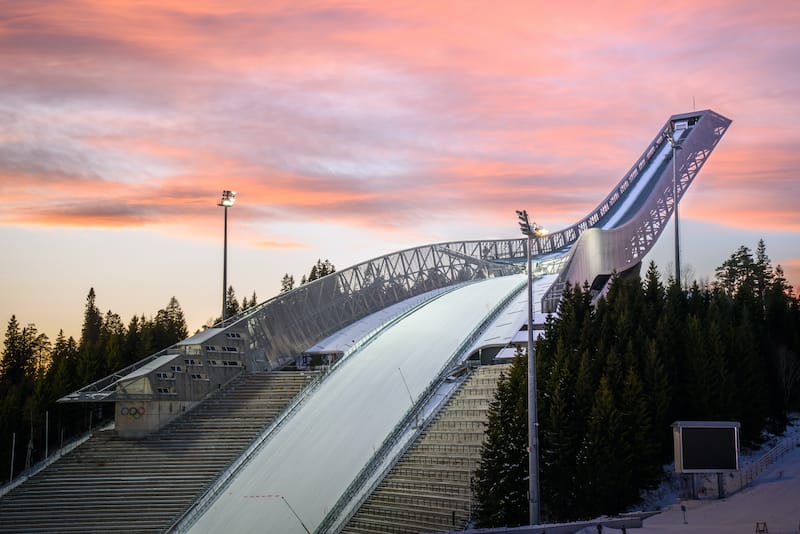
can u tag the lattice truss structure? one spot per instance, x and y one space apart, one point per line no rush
298 319
280 329
622 247
292 322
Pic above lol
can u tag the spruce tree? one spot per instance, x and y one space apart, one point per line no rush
16 360
90 358
501 481
112 342
599 464
287 283
231 304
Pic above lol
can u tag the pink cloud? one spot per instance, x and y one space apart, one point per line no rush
147 111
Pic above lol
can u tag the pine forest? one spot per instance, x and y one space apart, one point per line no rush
614 375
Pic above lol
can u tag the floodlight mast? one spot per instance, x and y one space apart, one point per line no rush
531 231
228 199
675 147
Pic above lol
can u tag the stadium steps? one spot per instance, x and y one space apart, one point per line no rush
429 488
110 484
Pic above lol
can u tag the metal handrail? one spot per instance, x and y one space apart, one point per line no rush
189 516
625 245
391 441
56 455
376 477
753 470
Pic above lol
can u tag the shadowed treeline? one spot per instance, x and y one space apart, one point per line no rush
613 376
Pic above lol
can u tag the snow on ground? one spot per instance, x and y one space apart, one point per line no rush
773 498
302 470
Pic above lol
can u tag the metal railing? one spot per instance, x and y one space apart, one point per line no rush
718 485
603 251
367 473
188 517
753 470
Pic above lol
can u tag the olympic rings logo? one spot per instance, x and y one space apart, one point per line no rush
132 411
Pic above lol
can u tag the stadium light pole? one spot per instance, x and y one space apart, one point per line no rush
531 231
675 147
228 198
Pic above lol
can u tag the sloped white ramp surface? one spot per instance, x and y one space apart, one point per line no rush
319 451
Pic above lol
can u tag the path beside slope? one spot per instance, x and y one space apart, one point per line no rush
773 498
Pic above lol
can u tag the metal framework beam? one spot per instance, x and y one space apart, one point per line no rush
278 330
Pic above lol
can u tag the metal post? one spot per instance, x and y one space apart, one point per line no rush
531 231
225 268
295 514
533 430
410 397
675 147
46 434
228 199
13 446
677 234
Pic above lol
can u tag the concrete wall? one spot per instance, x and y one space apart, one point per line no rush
150 398
137 419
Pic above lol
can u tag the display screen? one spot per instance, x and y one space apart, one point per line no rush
709 449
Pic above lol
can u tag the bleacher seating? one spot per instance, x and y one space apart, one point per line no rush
109 484
429 488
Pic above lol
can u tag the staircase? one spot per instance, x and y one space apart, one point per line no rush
113 485
429 488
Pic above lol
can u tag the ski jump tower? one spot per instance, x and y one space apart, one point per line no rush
427 309
613 237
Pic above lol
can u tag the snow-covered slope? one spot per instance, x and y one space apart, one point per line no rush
313 458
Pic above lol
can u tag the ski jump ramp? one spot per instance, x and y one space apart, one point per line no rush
397 326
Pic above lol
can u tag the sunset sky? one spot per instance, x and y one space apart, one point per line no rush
354 129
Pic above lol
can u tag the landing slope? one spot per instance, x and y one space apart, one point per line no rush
319 451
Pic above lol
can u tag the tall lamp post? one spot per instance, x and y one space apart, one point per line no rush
531 231
228 198
675 147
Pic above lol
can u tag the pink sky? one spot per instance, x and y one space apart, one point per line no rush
353 129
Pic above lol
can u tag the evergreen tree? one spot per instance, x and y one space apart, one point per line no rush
320 269
17 386
287 283
231 304
16 362
658 394
60 376
134 348
501 482
614 376
600 466
112 342
92 323
90 358
736 272
762 272
560 433
639 439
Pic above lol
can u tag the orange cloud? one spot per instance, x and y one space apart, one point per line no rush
129 113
